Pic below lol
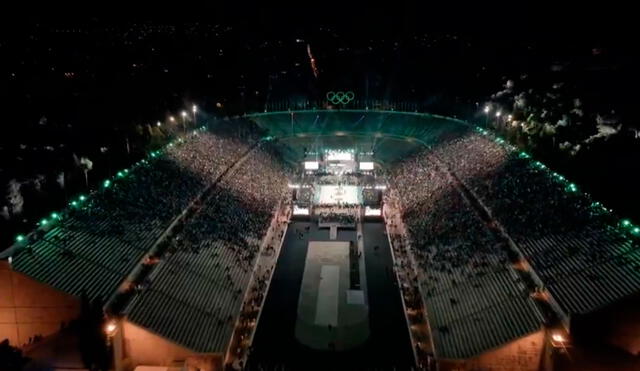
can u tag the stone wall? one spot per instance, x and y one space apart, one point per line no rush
143 348
29 308
524 354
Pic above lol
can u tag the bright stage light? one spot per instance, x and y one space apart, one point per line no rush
333 155
368 211
311 165
300 210
333 194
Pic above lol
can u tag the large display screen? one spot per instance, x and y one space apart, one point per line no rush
366 165
339 155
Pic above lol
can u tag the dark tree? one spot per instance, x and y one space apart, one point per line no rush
11 358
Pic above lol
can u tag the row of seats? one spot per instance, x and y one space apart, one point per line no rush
102 237
563 233
208 265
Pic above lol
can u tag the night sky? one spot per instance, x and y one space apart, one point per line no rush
81 79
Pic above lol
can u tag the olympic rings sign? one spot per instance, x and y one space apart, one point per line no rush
340 97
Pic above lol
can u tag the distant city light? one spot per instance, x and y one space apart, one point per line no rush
183 113
636 230
158 124
106 183
44 221
120 174
487 109
83 198
194 108
625 222
172 119
19 238
498 114
55 216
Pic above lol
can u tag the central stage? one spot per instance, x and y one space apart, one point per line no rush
330 314
333 194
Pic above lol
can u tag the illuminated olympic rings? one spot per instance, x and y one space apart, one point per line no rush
340 97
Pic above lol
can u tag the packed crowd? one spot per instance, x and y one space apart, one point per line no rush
449 241
473 204
345 215
230 225
339 218
344 179
454 259
161 188
242 341
556 227
209 260
520 194
405 268
239 210
371 196
115 227
304 196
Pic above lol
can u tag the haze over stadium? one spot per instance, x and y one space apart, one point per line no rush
298 193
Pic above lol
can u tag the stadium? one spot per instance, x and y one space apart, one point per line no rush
334 238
